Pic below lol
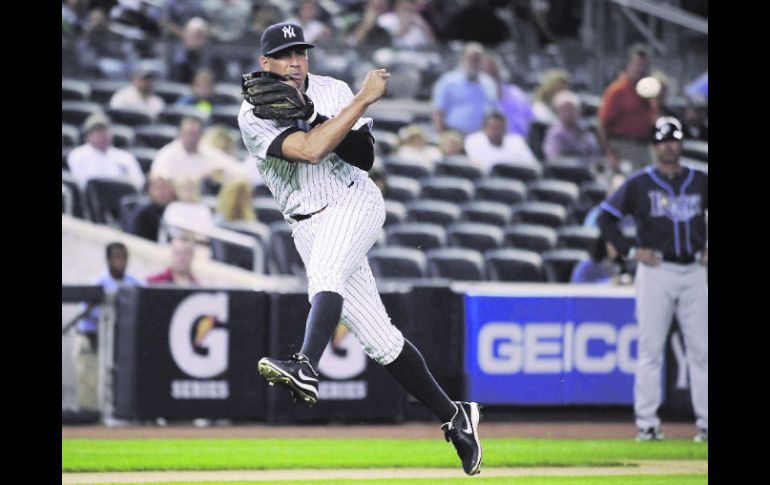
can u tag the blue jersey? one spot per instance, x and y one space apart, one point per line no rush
670 213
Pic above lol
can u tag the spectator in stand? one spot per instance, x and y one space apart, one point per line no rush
316 32
492 145
228 19
201 92
450 143
98 158
192 55
554 81
144 220
626 118
569 137
512 101
180 271
234 203
368 31
462 96
414 148
407 28
600 267
220 142
184 157
696 125
140 94
86 341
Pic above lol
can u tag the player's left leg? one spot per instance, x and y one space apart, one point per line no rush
692 313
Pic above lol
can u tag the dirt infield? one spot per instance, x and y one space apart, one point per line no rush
642 467
603 430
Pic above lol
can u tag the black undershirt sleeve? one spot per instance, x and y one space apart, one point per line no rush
276 147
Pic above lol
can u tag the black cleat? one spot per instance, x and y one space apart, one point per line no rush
649 434
463 430
296 372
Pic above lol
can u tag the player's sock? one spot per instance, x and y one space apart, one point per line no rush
410 370
325 313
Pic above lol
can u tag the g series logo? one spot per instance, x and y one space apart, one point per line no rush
555 348
199 342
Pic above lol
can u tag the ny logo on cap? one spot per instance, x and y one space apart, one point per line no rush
288 31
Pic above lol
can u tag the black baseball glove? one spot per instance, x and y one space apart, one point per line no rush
274 99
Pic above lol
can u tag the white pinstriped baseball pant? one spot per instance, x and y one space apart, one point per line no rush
333 245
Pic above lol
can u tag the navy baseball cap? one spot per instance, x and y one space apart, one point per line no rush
667 128
278 37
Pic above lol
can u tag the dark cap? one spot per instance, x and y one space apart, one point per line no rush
667 128
278 37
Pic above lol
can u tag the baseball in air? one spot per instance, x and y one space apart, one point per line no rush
648 87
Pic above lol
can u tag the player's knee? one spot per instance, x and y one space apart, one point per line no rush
386 354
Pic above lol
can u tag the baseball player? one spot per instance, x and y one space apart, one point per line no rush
669 203
313 148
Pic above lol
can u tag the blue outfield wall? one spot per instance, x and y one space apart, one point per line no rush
552 349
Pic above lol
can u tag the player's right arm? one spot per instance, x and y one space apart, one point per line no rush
314 145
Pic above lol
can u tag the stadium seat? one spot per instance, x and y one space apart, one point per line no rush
405 168
452 189
556 191
260 190
74 90
697 149
395 212
284 258
77 196
65 151
519 171
402 189
397 262
417 235
577 237
173 114
570 169
513 265
499 189
145 156
559 263
486 211
76 112
129 116
532 237
430 210
544 213
127 205
458 166
236 255
592 192
103 196
227 93
155 135
475 235
70 135
226 115
122 136
386 141
456 264
267 210
171 91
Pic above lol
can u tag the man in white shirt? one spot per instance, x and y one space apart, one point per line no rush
492 145
140 93
184 158
98 158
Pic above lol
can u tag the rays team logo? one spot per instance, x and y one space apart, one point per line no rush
288 31
199 341
678 208
340 363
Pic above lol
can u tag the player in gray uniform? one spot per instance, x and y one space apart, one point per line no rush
316 170
669 203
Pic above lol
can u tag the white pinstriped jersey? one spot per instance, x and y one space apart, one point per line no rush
302 188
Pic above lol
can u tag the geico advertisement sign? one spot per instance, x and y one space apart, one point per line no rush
556 348
199 342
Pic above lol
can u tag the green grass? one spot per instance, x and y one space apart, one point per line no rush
598 480
81 455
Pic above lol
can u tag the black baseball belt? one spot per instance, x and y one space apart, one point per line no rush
302 217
